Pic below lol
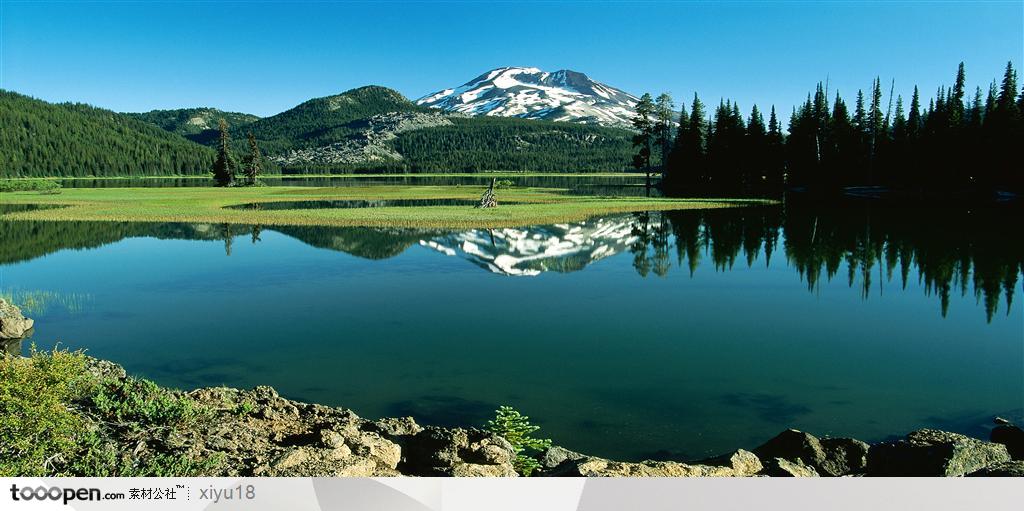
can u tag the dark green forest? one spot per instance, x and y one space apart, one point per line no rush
957 142
488 143
41 139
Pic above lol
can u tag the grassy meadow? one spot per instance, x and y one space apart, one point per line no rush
208 205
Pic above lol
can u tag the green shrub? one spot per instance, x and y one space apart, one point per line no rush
39 429
58 418
142 403
44 186
516 428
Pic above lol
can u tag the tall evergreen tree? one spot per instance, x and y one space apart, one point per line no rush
253 161
643 123
956 102
755 150
688 150
914 117
663 115
225 164
775 152
875 128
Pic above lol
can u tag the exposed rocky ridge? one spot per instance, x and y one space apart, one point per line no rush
370 142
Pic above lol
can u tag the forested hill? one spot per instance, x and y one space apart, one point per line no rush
195 124
321 121
45 139
369 129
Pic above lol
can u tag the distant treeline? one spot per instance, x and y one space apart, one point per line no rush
957 142
40 139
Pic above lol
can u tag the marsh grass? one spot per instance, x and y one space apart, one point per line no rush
207 205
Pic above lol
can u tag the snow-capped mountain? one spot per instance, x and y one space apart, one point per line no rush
531 93
532 251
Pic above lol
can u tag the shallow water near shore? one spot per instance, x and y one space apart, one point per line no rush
649 335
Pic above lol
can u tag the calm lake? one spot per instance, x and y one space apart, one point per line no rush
648 335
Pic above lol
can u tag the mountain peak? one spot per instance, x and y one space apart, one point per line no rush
529 92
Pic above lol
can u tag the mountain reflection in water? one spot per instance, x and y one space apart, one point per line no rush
870 246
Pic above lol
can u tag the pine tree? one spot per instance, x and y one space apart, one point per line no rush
914 118
663 127
755 149
225 165
253 161
956 101
875 128
644 137
1008 91
775 157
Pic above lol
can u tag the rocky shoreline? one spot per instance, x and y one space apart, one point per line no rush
259 433
223 431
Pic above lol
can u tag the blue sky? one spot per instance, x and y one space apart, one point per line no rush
265 57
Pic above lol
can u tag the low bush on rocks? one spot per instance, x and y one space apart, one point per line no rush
516 428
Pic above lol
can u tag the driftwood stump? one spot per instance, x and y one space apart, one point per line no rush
487 200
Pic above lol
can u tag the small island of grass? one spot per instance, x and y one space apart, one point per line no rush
518 206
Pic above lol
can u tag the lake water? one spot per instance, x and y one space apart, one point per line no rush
662 335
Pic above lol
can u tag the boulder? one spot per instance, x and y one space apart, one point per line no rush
929 453
1012 437
793 445
569 464
437 451
742 462
13 324
827 456
556 456
780 467
843 456
1004 469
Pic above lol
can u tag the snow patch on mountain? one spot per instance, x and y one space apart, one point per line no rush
531 93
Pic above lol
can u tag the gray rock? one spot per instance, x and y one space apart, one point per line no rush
403 426
13 324
827 456
780 467
456 452
1004 469
793 445
843 456
744 463
1012 437
570 464
556 456
929 452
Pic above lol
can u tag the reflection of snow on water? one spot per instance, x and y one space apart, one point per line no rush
532 251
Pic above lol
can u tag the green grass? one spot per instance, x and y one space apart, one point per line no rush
483 174
207 205
58 417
